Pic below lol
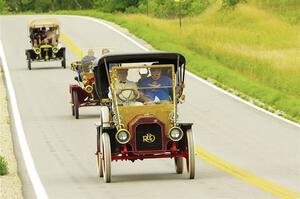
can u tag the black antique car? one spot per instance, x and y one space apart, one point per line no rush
139 95
44 38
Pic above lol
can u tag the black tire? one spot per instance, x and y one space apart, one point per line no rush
63 61
106 157
190 161
28 60
179 165
76 105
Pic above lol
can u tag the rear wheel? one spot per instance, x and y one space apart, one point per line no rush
63 61
190 161
179 165
76 104
72 104
106 157
28 60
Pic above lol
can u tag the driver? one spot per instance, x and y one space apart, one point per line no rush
122 84
155 81
87 60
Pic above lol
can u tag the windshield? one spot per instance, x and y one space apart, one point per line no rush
142 85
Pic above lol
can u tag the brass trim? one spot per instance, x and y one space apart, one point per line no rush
175 127
129 136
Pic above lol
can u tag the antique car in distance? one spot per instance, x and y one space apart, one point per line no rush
139 95
44 39
83 93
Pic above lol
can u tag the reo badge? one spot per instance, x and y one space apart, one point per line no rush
149 138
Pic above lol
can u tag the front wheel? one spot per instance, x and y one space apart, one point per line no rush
99 165
99 153
106 157
179 165
190 161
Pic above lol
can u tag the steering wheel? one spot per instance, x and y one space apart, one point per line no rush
127 94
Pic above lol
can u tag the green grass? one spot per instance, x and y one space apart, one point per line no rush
287 9
3 166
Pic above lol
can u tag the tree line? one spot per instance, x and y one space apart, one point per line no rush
157 8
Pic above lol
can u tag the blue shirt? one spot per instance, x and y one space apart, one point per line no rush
86 61
161 93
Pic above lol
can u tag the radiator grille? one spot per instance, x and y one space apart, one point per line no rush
148 137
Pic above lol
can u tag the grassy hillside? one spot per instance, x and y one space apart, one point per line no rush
287 9
249 49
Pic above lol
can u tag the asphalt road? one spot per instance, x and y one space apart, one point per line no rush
63 148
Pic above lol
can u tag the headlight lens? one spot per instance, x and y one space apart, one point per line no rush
37 50
55 49
175 134
123 136
89 89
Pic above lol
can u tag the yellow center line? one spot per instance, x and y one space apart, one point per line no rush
71 45
255 180
217 162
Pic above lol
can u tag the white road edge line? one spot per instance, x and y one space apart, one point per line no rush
193 75
34 177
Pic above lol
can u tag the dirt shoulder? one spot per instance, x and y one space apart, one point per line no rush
10 185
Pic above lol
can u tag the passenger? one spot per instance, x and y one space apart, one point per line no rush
155 81
88 60
43 36
143 72
51 37
35 37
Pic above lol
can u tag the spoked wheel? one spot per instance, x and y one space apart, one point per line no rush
99 165
106 157
98 155
190 161
76 104
179 165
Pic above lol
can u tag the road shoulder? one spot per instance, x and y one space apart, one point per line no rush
10 184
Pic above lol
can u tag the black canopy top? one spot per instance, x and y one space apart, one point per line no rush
160 57
100 70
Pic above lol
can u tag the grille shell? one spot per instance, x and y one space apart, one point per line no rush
141 126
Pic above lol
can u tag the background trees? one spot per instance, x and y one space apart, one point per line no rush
157 8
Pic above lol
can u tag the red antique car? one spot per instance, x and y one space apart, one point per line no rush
83 92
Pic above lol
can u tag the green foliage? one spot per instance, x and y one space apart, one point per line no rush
115 5
170 8
3 6
3 166
47 5
231 3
